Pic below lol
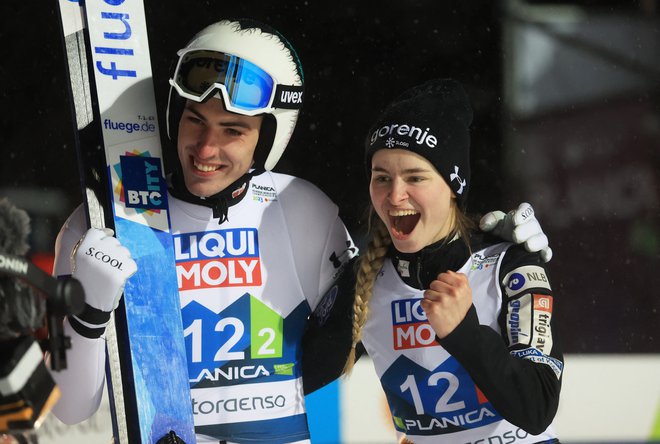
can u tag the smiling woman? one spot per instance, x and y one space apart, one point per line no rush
436 301
411 198
415 185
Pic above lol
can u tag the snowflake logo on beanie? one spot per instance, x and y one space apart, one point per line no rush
454 176
389 142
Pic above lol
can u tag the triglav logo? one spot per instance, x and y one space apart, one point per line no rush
420 135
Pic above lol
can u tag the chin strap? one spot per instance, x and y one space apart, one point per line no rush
220 209
219 202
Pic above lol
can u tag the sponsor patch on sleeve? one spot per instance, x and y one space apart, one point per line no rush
534 355
528 321
324 308
524 279
542 336
518 320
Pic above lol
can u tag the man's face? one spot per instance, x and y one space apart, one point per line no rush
215 147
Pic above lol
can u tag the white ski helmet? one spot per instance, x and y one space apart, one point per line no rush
253 69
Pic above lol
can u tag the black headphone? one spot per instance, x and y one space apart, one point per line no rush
63 297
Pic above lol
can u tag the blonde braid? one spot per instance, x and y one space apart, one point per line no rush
369 265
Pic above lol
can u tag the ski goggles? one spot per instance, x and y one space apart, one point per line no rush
246 88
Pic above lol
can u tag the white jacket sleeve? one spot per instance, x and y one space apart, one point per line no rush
81 384
320 242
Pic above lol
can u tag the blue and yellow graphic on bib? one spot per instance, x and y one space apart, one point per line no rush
423 401
438 401
243 343
242 364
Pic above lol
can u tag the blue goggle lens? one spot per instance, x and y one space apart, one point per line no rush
253 87
249 87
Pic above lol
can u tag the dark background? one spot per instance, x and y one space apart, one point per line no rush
581 163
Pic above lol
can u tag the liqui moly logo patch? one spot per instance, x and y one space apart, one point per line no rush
222 258
410 327
528 321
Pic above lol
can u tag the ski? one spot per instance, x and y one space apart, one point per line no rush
121 169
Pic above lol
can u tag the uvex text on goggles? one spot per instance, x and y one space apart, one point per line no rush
246 88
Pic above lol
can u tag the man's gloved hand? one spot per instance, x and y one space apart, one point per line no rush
102 265
519 226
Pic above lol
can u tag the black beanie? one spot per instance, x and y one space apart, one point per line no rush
432 120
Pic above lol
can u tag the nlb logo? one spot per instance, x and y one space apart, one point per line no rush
516 281
223 258
410 327
142 179
525 278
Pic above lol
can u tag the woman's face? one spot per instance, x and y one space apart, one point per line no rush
411 198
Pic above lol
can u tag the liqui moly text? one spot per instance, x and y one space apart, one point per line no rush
222 258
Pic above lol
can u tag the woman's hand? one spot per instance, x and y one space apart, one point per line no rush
447 301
